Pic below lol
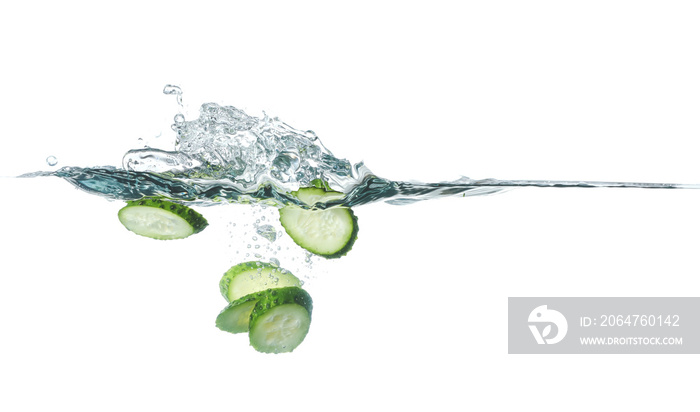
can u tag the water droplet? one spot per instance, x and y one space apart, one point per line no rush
274 261
179 118
172 89
176 90
52 161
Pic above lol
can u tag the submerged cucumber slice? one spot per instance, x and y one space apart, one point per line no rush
330 233
280 320
236 316
161 219
250 277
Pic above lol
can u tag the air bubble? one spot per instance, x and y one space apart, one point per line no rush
51 161
268 232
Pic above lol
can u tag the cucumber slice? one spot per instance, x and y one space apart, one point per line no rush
236 316
250 277
161 219
280 320
330 233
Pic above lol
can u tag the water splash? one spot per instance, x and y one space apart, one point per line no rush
174 90
226 155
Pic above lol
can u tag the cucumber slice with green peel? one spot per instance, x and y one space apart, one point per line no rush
330 232
235 317
161 219
250 277
280 320
311 195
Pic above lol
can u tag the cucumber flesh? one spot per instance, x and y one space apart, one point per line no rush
251 277
280 320
311 195
236 316
330 233
161 219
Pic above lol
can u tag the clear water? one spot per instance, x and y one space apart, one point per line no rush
226 155
51 161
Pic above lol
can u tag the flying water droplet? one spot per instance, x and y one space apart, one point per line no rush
179 120
176 90
51 161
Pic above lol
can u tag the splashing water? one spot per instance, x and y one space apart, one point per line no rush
226 155
176 90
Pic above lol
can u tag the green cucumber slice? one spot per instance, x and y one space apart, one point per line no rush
311 195
250 277
280 320
236 316
161 219
330 233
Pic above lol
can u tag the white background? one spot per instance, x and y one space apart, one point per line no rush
94 318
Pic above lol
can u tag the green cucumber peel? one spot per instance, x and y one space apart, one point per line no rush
330 233
235 317
255 276
280 320
161 219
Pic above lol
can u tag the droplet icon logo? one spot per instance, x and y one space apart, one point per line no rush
540 322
